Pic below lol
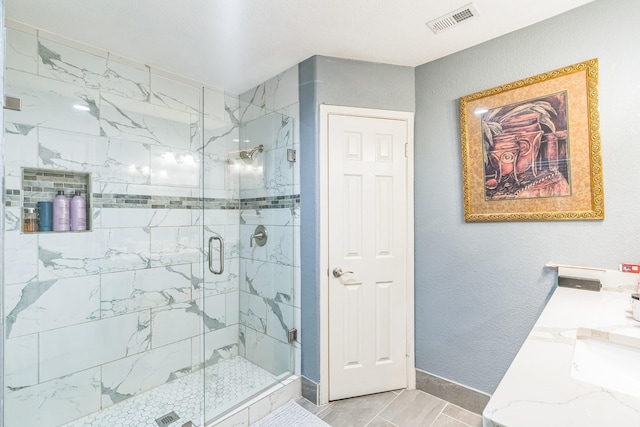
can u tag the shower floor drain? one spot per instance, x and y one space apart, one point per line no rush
167 419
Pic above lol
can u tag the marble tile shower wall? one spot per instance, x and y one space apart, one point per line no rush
270 275
96 317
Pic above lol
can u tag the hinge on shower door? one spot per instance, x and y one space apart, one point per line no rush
291 155
292 335
11 103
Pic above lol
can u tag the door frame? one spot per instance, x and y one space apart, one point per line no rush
325 112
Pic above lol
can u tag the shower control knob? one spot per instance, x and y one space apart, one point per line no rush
337 272
259 235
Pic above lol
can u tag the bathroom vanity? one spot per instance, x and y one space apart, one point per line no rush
579 366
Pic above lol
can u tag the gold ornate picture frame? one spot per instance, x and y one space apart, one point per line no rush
531 149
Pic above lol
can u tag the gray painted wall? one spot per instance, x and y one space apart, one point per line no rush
333 81
481 287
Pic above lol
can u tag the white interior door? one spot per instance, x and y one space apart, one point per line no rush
367 232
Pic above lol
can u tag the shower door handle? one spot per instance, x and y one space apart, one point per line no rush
219 238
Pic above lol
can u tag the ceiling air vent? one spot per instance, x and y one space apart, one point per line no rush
453 18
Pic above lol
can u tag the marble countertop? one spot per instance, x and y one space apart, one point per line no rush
538 389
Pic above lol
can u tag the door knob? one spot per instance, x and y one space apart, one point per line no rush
337 272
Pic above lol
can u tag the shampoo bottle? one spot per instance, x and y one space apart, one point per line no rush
60 212
78 213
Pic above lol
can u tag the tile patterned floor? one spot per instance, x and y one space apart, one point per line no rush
403 408
226 383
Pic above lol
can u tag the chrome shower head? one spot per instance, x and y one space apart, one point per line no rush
247 157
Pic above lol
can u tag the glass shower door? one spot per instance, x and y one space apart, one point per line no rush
103 326
126 322
248 350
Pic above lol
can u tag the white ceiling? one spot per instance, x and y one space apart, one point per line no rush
237 44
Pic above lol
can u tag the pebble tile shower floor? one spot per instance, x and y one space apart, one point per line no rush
226 383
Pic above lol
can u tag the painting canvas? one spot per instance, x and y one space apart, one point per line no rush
526 149
531 149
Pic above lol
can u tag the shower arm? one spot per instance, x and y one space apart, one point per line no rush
259 148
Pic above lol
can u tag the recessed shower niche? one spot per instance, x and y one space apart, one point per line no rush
42 185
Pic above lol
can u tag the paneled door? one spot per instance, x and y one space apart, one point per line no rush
368 231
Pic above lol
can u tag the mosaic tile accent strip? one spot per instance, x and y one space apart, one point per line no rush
109 200
12 198
43 185
271 202
226 384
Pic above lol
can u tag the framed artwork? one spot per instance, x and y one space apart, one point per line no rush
531 149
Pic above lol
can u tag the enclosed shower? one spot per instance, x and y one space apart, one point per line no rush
165 310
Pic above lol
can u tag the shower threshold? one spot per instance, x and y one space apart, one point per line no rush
227 384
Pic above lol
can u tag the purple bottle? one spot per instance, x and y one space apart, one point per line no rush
60 212
78 213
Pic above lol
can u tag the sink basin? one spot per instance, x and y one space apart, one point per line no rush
607 360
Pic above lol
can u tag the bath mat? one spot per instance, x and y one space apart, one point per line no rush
290 415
